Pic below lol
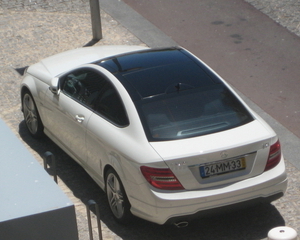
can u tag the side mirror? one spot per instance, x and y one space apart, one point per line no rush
54 86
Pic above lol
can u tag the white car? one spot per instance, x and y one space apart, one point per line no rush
160 132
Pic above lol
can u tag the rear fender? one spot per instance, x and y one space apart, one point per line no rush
115 163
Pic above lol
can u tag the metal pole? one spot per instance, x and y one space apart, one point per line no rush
99 222
96 20
89 221
88 209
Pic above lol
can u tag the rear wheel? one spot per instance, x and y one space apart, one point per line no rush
31 116
116 196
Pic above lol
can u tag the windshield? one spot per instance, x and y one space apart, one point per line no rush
191 113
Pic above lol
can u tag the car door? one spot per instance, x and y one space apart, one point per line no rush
71 111
105 129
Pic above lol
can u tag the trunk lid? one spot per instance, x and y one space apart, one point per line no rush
218 158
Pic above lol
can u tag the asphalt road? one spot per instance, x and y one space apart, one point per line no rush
256 55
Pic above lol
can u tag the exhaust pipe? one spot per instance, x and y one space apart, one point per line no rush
181 224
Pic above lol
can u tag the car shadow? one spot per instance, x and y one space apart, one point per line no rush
21 70
250 223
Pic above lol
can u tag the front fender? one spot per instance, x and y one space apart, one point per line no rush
28 85
36 88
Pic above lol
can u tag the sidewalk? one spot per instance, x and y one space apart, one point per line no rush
284 12
35 29
29 35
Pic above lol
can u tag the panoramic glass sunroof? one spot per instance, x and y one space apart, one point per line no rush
156 72
143 59
168 78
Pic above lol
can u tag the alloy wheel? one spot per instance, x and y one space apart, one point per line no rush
31 116
115 195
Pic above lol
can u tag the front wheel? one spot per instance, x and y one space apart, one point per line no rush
31 116
116 196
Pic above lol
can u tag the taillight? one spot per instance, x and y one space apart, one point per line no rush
162 178
274 156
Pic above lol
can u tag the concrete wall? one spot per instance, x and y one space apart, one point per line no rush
32 206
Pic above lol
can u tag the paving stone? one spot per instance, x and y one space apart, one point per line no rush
34 29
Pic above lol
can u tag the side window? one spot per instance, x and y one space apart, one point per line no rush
83 85
96 92
110 105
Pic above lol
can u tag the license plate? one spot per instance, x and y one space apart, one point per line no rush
222 167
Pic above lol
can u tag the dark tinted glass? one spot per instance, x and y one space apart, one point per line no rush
168 78
83 85
97 93
110 105
153 72
192 113
142 60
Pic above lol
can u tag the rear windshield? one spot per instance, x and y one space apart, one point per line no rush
190 113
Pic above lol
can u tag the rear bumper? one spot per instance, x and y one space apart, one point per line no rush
224 209
166 207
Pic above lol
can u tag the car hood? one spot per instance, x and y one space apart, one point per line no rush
55 65
185 156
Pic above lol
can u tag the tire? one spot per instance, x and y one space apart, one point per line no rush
31 116
116 197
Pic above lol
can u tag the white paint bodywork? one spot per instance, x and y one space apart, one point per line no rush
52 66
95 143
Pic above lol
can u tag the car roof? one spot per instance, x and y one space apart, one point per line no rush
59 63
152 72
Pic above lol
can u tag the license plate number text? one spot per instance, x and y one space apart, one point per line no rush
222 167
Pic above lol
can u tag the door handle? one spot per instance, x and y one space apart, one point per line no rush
79 118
